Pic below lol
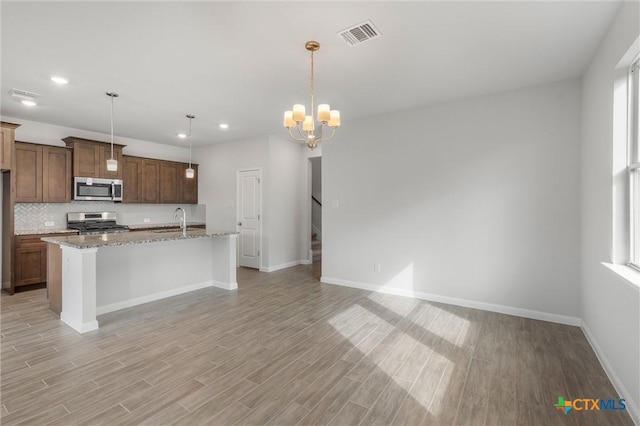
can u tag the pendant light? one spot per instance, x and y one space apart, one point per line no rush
112 163
190 173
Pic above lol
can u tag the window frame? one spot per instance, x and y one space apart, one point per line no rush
633 163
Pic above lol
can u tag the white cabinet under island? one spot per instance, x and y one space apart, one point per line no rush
96 274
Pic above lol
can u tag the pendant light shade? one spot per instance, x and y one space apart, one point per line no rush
190 173
112 163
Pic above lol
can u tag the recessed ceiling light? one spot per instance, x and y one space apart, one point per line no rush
59 80
223 126
182 135
28 102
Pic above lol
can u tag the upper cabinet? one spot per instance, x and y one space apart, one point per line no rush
169 182
150 181
7 137
132 175
146 180
42 173
90 158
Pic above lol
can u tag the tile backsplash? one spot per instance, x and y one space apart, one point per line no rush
30 216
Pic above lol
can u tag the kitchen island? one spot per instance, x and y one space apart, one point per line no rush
102 273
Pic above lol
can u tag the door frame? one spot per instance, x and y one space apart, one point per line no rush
238 172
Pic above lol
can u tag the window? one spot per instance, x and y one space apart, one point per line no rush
634 163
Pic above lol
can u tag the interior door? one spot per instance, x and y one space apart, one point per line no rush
249 211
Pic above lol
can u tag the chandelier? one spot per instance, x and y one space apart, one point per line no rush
305 124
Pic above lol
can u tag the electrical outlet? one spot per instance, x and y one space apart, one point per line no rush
146 220
376 267
49 223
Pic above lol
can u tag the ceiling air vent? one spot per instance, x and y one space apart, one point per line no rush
23 94
360 33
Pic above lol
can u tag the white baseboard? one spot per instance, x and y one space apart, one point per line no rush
225 286
77 326
306 262
503 309
281 266
632 407
156 296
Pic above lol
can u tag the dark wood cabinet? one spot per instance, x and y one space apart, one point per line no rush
90 158
189 186
150 181
30 259
132 179
169 182
28 173
57 184
42 173
7 137
54 277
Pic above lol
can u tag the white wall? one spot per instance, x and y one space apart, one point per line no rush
48 134
610 305
474 202
285 182
217 180
282 170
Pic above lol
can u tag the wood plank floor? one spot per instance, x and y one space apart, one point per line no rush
285 349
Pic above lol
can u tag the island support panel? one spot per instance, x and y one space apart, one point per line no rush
105 279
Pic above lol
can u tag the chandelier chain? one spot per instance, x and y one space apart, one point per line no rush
312 87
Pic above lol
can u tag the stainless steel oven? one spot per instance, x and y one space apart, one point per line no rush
94 222
86 188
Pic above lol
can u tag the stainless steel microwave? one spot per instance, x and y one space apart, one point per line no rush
96 189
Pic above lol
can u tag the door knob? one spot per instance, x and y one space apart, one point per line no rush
239 223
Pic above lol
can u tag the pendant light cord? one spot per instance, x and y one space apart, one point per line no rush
190 142
111 127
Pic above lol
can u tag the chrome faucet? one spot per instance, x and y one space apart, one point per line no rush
183 220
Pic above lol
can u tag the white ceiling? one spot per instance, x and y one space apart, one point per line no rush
244 63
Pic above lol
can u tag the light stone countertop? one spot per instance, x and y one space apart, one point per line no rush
134 227
127 238
138 226
45 231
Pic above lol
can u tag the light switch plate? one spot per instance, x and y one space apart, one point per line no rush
146 220
49 223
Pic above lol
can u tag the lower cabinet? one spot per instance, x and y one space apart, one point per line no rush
30 259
